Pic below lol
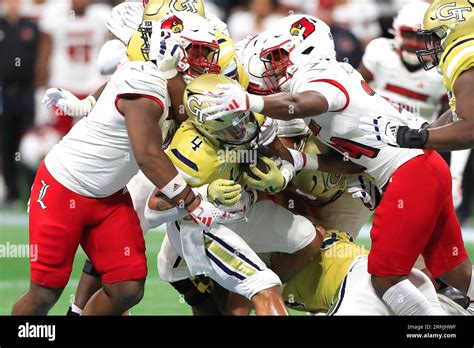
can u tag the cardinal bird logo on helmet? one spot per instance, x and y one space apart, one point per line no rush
303 27
174 24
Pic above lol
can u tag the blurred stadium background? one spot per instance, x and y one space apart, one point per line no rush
28 65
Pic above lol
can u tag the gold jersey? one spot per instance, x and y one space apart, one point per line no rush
201 160
457 58
315 288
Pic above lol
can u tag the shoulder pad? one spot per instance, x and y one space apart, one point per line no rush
141 78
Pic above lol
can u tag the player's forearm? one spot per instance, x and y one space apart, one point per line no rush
176 87
288 106
337 165
457 135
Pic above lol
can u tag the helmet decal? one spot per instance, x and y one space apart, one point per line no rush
304 27
194 107
174 24
186 5
452 12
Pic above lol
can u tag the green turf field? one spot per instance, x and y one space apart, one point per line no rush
160 298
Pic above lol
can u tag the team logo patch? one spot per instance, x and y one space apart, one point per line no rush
174 24
187 5
303 27
194 106
41 195
449 11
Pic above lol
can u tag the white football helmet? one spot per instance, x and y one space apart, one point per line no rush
405 27
254 66
197 41
293 42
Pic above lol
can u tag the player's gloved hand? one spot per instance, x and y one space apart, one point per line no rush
457 192
224 192
207 215
68 102
394 133
271 182
167 53
365 190
233 100
217 24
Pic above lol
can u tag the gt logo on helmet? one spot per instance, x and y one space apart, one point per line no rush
174 24
452 12
303 27
194 107
187 5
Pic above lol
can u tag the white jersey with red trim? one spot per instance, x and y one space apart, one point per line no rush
95 159
420 92
76 42
350 98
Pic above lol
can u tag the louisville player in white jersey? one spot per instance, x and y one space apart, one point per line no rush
332 97
392 68
333 205
78 196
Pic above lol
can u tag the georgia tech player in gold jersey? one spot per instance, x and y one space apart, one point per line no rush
448 29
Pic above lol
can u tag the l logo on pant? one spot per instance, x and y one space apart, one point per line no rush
41 195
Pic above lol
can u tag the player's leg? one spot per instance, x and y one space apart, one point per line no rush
89 284
445 254
116 248
272 228
402 227
227 259
55 227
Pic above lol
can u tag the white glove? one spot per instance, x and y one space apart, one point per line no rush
68 102
457 192
217 24
167 53
381 129
365 190
234 100
207 215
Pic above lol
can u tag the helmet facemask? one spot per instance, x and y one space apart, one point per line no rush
277 61
244 130
146 30
200 58
431 55
409 44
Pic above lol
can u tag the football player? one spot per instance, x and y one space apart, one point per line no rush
332 97
447 29
78 196
394 71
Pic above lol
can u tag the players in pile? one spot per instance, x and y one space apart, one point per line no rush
332 97
78 196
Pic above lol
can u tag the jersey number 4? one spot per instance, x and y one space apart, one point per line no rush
353 149
196 143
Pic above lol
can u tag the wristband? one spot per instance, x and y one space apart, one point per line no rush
256 103
299 159
174 187
288 171
412 138
312 162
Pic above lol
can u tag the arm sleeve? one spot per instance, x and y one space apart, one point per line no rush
335 94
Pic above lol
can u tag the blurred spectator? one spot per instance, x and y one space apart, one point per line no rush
361 17
72 33
347 45
18 49
261 14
